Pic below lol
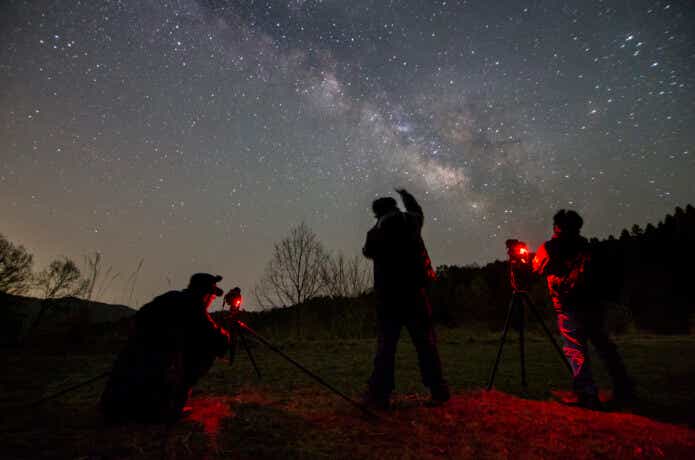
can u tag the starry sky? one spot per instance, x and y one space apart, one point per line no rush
195 134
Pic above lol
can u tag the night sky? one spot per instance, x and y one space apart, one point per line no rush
195 134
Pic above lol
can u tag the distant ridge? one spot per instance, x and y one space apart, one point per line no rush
18 312
99 312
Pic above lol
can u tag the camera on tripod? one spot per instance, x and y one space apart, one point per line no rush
520 267
521 278
518 252
233 299
239 328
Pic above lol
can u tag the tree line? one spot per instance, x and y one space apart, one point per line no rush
301 268
62 278
641 278
642 274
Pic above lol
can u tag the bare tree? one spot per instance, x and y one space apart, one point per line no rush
98 281
93 263
294 273
61 278
15 268
343 277
132 281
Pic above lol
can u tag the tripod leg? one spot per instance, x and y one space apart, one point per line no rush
502 339
248 352
70 388
265 342
233 342
522 355
532 307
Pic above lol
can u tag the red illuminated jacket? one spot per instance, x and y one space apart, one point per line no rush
565 263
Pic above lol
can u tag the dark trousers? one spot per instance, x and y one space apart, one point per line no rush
413 311
579 325
149 385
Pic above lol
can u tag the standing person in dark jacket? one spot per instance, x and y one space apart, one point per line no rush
174 343
565 261
401 271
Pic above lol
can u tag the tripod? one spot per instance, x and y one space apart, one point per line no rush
241 329
518 304
237 332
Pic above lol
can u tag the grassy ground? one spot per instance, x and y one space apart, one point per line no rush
287 415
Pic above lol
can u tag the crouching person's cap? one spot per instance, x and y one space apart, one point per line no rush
205 283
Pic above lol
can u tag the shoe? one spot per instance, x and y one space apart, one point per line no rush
624 391
590 402
566 397
440 395
181 414
624 398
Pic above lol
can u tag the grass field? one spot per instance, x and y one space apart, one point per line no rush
287 415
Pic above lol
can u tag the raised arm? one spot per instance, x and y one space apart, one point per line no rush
411 205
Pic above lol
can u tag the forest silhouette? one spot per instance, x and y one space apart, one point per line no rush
642 277
643 274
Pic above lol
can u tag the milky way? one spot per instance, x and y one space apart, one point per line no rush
194 134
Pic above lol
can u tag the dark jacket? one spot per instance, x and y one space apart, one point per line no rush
174 343
177 320
395 245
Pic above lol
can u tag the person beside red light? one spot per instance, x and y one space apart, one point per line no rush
565 262
402 269
174 343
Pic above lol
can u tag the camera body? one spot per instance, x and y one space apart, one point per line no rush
518 252
520 267
233 299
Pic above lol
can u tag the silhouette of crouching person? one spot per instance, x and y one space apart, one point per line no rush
174 344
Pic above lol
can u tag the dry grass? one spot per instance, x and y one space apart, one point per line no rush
255 424
288 416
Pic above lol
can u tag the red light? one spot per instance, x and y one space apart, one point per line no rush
522 253
237 302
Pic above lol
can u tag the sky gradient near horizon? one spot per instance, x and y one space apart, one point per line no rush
194 134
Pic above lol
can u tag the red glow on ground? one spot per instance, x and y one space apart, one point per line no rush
210 411
474 424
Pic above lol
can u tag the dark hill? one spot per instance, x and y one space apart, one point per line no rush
18 313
